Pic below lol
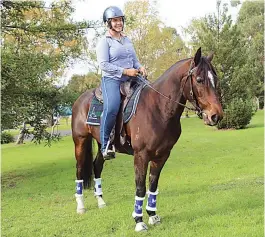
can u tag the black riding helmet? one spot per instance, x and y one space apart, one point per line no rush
112 12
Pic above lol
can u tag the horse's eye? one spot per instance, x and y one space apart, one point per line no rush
199 79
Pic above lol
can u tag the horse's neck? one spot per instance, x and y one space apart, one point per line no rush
170 87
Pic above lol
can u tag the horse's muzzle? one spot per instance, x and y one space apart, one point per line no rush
215 118
212 119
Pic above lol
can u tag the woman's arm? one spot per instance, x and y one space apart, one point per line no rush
103 59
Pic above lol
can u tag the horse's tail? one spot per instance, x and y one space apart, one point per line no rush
88 163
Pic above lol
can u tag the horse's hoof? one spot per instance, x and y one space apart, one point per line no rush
101 202
81 211
141 226
102 206
154 220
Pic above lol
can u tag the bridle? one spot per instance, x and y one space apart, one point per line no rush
193 101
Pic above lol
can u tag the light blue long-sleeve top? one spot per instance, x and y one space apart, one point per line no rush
114 56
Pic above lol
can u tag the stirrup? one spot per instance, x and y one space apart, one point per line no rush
109 154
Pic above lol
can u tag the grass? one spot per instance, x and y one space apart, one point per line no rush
212 185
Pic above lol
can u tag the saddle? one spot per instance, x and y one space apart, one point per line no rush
126 88
118 135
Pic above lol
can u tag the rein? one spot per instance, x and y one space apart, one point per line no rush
190 72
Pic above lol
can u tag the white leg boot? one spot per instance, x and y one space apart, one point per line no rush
80 204
140 227
98 192
101 202
79 197
138 212
154 220
151 206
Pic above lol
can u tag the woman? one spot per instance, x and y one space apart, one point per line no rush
118 61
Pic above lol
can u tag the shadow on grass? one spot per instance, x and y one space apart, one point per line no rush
16 177
224 209
255 125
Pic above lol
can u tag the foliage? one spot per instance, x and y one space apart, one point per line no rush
251 24
237 114
6 138
77 85
238 48
38 42
157 46
80 83
151 37
217 33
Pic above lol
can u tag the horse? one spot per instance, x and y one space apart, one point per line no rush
153 130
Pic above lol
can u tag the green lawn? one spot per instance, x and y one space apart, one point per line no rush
212 185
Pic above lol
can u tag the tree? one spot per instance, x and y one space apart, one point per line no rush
37 43
157 46
235 66
80 83
217 33
251 24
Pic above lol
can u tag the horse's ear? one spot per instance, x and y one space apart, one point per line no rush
197 57
210 57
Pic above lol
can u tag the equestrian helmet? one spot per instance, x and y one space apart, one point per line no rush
112 12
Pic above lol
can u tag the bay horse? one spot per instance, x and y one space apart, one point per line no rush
153 130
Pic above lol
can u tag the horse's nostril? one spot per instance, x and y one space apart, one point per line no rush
215 118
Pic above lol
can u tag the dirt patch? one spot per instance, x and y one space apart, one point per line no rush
10 180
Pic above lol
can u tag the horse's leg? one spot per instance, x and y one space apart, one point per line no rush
84 163
155 170
98 167
140 169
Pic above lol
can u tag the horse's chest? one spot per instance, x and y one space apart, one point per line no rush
169 136
154 134
163 139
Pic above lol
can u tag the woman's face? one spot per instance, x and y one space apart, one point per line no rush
117 24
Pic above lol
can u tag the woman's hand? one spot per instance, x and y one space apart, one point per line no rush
131 72
143 71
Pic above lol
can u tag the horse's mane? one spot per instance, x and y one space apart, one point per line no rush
202 69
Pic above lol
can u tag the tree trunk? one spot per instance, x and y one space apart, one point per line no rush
21 136
54 124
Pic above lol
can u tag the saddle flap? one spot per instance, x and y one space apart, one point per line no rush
98 94
127 88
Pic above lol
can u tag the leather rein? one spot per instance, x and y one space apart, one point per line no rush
194 100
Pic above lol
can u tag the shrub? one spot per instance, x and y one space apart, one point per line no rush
237 114
6 138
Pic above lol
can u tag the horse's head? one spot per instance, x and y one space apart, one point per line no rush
202 80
